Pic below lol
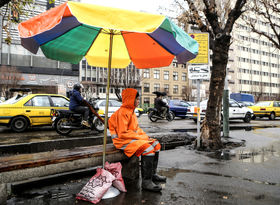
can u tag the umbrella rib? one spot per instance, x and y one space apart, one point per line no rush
93 41
126 46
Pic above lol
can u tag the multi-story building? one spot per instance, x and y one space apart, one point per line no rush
256 61
253 64
173 80
33 71
94 80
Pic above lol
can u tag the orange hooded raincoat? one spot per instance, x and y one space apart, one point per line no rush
123 125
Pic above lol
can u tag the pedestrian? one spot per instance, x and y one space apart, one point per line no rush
129 137
77 103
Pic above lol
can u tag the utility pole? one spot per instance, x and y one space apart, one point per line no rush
226 108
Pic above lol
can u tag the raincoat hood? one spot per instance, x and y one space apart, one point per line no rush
128 98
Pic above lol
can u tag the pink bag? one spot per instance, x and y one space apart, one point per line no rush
116 170
97 186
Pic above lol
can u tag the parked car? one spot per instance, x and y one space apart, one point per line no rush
22 111
140 110
236 111
179 108
270 109
113 106
192 103
246 103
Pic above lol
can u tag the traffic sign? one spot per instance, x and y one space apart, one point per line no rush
198 72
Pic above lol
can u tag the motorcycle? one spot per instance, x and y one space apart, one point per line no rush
65 121
154 115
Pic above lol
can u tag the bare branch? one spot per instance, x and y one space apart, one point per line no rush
234 15
211 14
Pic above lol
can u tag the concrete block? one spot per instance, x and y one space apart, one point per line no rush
3 193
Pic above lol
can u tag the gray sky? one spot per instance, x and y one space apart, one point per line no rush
150 6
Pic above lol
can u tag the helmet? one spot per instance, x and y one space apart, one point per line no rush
78 86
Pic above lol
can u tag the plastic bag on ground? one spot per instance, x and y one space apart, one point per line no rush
97 186
116 170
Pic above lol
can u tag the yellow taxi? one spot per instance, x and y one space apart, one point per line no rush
22 111
270 109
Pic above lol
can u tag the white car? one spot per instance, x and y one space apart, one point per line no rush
236 111
114 105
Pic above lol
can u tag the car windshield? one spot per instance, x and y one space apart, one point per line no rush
14 99
264 103
204 102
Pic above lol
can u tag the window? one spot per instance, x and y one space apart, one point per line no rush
175 75
59 101
100 90
93 74
146 87
233 104
156 87
156 74
175 64
184 76
115 103
146 74
166 88
175 89
184 89
41 101
147 101
166 75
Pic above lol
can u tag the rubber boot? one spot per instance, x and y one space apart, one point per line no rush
156 177
147 171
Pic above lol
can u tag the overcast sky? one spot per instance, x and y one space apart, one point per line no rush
151 6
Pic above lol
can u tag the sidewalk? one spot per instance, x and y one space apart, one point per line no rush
250 175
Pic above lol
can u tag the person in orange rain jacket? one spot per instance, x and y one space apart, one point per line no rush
129 137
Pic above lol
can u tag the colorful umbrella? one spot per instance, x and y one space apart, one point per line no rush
106 37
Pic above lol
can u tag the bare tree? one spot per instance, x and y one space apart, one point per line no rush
265 11
125 78
216 17
187 93
10 78
11 10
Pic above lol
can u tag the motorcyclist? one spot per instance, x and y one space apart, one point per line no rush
76 103
160 105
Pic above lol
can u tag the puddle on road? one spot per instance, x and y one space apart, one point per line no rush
171 172
250 155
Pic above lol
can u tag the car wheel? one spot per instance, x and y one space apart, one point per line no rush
195 120
247 118
254 117
272 116
98 125
19 124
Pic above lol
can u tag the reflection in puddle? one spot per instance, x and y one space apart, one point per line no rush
249 155
257 156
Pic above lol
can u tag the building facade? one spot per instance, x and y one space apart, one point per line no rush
94 80
173 80
256 61
37 72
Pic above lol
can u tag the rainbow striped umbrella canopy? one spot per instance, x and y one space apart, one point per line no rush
107 37
73 30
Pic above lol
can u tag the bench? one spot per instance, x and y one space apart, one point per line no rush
23 167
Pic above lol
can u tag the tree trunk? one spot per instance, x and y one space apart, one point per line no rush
211 127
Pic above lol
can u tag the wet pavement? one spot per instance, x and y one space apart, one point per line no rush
244 175
46 133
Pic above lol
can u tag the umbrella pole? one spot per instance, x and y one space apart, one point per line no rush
107 97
